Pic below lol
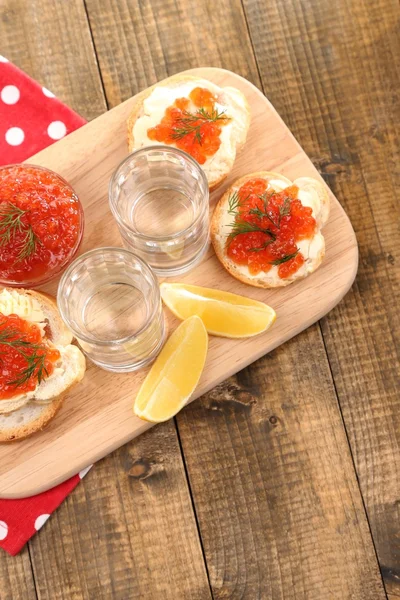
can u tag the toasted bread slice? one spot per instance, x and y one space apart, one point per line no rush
41 309
151 105
312 193
69 369
34 416
27 420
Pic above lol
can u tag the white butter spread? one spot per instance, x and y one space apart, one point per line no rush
16 303
312 200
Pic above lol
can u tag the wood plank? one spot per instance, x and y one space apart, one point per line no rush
88 426
90 539
128 531
140 43
51 41
344 112
271 474
223 519
16 577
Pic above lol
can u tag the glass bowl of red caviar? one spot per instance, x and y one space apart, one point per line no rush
41 225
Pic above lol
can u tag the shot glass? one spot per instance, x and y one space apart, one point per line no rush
110 299
159 198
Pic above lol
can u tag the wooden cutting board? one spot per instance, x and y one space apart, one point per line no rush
97 416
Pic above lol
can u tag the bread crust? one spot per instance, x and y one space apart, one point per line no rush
137 111
56 332
48 412
219 247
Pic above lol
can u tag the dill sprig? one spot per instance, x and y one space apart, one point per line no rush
263 213
35 362
203 115
7 337
265 245
284 209
240 226
193 122
36 366
284 259
235 202
10 224
29 246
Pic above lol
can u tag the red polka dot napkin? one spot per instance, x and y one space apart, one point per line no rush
31 118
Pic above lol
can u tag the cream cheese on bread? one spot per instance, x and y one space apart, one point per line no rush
230 101
28 308
312 249
24 414
37 395
13 302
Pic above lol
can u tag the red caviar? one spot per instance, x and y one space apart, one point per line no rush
21 345
198 132
267 227
41 224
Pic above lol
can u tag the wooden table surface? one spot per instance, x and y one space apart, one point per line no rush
283 482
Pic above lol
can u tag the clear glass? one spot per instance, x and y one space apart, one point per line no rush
159 198
110 299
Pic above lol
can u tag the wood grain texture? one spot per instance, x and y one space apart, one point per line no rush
50 40
16 577
89 425
273 485
140 43
333 78
137 28
128 531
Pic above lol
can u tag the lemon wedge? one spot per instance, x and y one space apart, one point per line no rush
175 373
224 314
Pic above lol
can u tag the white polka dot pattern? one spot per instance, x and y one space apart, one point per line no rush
84 472
56 130
40 521
15 136
3 530
47 93
10 94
